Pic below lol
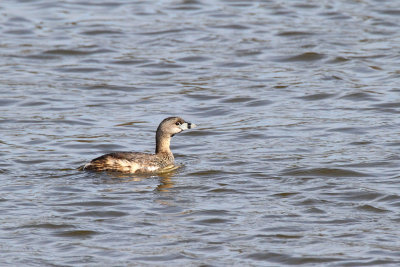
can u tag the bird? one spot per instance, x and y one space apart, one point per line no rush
135 162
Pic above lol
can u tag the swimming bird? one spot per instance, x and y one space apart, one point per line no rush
134 162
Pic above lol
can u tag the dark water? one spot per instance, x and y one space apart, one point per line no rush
296 159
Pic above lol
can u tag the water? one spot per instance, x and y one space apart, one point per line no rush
295 160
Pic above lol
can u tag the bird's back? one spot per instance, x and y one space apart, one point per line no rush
130 162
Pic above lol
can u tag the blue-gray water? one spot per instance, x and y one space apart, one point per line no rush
296 159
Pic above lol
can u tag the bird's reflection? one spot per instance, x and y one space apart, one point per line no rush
166 181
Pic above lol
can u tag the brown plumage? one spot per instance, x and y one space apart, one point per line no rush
133 162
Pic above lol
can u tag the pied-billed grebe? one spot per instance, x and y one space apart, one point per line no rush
133 162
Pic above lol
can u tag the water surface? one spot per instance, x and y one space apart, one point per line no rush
295 160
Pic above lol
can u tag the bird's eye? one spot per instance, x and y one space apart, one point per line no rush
178 123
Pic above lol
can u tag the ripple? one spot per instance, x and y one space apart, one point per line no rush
208 212
211 221
238 99
359 96
194 59
330 172
306 6
284 258
314 210
74 52
33 103
370 208
77 233
212 111
318 96
208 172
335 15
100 214
130 61
247 52
72 122
234 64
157 73
89 204
162 258
166 32
202 96
112 87
294 33
388 105
286 194
394 12
309 56
225 191
80 69
31 162
19 32
102 32
360 196
231 27
361 143
8 102
348 130
337 60
162 65
100 147
283 236
47 226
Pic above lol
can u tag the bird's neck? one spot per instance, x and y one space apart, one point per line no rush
163 142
